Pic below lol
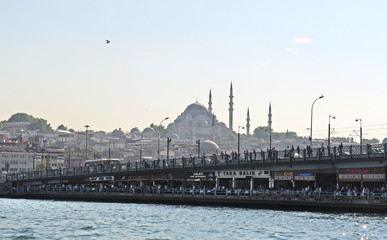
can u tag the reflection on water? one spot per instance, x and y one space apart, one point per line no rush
35 219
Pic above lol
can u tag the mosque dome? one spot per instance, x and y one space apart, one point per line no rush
135 131
118 133
196 108
207 147
148 132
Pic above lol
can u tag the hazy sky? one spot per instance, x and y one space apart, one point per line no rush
165 55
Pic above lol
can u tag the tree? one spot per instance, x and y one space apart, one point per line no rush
371 141
261 132
61 127
21 117
35 123
164 132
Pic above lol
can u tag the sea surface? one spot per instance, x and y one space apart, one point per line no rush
42 219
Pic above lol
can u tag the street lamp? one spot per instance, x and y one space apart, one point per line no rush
311 119
168 141
198 143
86 126
361 134
329 131
158 145
239 138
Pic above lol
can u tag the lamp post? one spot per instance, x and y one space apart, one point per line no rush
198 143
109 150
239 139
329 131
86 126
311 119
168 141
361 134
158 144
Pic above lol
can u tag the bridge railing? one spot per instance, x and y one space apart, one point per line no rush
258 157
261 193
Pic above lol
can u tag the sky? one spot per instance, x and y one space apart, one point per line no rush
164 55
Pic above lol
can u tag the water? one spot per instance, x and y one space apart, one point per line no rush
36 219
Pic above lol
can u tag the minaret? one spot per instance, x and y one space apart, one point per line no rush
248 123
210 103
231 109
269 122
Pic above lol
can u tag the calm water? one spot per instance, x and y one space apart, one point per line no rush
35 219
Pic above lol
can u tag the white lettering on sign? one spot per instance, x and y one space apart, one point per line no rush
304 178
243 174
374 176
284 178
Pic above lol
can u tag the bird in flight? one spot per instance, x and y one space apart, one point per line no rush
107 41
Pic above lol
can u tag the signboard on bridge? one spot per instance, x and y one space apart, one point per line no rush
243 174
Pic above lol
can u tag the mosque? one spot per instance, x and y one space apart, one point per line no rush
199 122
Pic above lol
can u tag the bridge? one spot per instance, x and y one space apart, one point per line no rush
366 156
75 183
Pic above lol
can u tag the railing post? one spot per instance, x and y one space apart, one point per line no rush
275 156
111 167
385 150
368 150
127 166
334 153
135 166
304 154
239 158
183 162
163 163
350 152
204 161
193 162
173 163
334 195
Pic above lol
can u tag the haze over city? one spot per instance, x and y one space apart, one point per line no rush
164 55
